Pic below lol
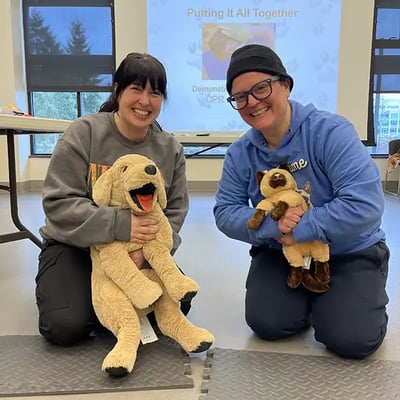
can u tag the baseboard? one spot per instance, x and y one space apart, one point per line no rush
27 186
202 186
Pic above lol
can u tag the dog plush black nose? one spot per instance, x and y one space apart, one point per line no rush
150 170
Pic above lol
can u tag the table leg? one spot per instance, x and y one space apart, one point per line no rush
23 233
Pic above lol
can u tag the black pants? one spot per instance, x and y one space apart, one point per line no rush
350 319
63 294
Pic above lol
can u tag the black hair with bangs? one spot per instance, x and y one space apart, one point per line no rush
138 69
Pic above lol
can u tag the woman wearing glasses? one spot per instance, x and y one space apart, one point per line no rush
324 149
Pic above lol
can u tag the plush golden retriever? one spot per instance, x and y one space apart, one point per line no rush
121 292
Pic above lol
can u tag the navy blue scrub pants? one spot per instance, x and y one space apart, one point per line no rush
350 319
63 294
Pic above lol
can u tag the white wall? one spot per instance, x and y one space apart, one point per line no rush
9 67
355 62
131 36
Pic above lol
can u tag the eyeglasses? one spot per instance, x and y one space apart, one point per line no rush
260 91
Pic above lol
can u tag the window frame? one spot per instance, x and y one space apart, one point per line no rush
94 64
380 65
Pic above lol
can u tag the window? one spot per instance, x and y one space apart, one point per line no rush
70 59
69 53
384 121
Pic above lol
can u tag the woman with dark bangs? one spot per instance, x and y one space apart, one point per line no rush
125 124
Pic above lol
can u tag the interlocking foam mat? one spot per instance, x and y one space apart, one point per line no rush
254 375
31 366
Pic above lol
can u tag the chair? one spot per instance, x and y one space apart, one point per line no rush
394 160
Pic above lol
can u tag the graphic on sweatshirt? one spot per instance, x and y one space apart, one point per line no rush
95 171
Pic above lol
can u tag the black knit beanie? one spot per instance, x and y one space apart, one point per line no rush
255 57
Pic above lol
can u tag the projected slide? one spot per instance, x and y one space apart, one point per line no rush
195 38
220 40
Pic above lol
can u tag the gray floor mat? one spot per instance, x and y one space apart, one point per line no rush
31 366
254 375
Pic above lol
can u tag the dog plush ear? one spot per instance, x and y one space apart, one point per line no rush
162 194
162 198
102 189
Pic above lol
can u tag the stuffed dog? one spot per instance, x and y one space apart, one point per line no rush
121 292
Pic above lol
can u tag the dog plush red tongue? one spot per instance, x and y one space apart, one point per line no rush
146 201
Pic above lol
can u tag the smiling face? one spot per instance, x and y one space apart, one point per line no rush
270 116
139 87
138 108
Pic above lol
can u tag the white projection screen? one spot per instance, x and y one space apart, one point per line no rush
324 44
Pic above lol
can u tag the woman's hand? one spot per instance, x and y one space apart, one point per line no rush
143 229
290 219
287 223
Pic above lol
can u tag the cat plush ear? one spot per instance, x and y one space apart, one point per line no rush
259 176
284 166
307 187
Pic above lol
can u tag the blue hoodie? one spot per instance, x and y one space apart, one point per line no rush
324 149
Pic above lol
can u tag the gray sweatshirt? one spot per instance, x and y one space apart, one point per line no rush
90 145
